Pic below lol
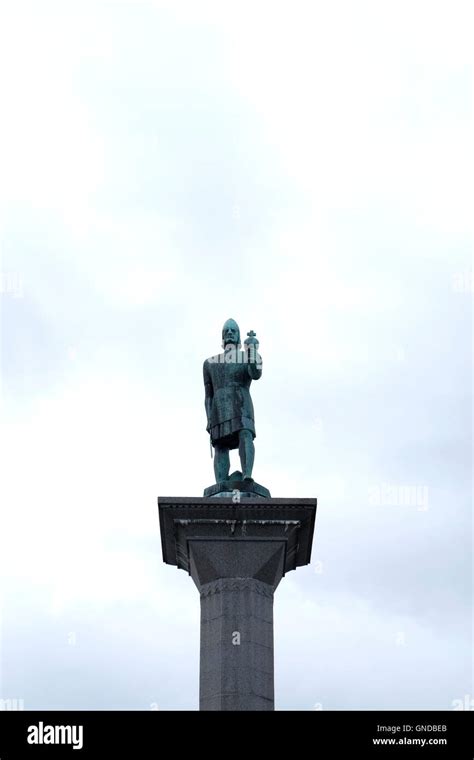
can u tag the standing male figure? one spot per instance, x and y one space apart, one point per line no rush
229 408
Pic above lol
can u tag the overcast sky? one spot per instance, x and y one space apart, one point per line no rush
304 168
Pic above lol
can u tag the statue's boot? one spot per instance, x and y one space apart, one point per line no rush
221 463
247 454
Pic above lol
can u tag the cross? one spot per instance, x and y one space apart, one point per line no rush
251 334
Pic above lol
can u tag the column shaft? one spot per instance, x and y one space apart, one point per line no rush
236 670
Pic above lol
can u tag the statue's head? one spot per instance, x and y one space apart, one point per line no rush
230 333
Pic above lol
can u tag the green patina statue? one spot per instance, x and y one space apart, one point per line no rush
229 408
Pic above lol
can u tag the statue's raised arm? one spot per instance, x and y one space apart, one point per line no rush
253 357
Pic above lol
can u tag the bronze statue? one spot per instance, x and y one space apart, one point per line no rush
229 408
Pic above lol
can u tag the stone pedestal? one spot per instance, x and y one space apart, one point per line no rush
236 553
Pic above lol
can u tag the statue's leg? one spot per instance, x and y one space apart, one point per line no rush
221 463
246 452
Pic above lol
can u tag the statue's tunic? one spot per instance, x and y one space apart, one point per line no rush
227 379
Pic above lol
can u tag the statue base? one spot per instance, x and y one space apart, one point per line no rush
247 488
